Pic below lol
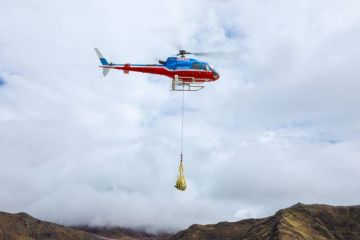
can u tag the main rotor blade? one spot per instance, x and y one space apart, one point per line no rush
215 54
220 54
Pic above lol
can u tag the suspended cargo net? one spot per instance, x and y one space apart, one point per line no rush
180 181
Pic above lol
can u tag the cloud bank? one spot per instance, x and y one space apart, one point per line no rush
281 125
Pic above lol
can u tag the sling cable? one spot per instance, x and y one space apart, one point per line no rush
180 181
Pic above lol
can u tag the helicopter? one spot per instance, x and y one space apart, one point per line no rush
187 74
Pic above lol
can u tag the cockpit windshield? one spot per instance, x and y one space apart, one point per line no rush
216 74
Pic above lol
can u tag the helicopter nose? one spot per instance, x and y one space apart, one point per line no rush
216 75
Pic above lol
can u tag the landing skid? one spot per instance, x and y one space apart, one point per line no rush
177 85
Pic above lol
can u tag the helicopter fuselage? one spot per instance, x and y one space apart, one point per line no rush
186 70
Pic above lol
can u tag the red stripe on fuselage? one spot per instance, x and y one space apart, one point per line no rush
185 75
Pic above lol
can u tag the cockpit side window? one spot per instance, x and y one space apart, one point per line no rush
196 66
207 67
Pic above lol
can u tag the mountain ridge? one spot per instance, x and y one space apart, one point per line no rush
298 222
316 221
24 226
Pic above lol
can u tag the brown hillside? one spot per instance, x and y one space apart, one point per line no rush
21 226
305 222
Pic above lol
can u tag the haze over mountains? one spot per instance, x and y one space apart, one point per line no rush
318 222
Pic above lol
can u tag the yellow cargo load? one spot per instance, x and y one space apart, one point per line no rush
180 181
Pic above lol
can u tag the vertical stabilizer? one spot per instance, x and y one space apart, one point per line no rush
103 62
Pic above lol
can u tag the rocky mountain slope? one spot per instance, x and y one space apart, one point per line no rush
21 226
305 222
318 222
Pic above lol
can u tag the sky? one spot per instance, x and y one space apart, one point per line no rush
281 126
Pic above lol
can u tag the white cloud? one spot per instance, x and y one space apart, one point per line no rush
281 125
